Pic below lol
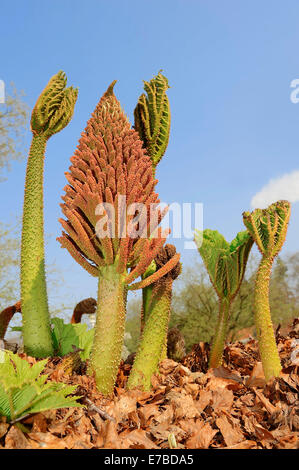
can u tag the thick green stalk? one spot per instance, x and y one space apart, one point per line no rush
264 328
220 336
153 338
36 319
146 300
147 294
109 329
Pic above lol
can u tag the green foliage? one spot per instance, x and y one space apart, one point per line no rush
152 117
195 306
226 264
195 303
67 335
23 390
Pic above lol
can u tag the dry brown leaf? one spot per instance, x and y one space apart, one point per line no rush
257 377
231 432
243 445
3 429
224 373
125 405
183 406
167 366
15 439
46 440
265 402
205 398
222 399
136 439
111 440
166 415
162 431
202 438
147 412
39 423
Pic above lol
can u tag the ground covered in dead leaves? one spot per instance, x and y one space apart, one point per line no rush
189 407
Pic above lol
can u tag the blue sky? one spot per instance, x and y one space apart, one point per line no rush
230 65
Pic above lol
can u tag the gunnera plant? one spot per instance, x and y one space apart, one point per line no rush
111 174
152 122
152 118
154 334
225 263
51 113
268 228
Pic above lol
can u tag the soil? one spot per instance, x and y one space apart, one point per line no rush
189 406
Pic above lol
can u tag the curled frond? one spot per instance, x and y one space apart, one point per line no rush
152 117
225 262
268 227
55 106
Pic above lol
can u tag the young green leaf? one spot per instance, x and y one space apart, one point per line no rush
67 335
23 390
226 264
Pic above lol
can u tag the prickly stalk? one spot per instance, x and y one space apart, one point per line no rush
153 337
109 328
263 323
268 228
152 347
36 320
52 112
215 359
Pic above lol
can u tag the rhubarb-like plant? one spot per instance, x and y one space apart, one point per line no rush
152 122
268 228
152 118
111 167
52 112
25 390
67 336
154 335
225 263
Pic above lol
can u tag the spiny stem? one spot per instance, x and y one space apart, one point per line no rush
220 336
109 329
36 319
153 337
264 328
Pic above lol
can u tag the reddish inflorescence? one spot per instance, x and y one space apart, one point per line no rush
110 166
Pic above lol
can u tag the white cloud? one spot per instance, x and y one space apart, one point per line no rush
284 187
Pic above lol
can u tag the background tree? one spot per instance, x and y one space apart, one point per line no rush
9 265
13 119
195 307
